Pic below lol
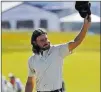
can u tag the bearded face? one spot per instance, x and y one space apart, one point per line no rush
42 42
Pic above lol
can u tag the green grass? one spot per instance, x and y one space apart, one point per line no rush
81 70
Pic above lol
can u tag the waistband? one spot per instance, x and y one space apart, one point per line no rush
57 90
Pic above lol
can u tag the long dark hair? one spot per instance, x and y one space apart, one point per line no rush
35 48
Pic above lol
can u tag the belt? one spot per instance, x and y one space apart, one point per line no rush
57 90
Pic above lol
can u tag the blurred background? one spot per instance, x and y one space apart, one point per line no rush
81 70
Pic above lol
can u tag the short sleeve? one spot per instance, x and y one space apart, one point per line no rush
31 71
63 50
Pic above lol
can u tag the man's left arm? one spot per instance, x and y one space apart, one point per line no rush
79 38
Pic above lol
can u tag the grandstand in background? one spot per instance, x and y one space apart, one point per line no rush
48 15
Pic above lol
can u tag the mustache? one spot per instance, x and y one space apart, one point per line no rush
46 44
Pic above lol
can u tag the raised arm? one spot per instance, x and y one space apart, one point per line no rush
30 84
79 38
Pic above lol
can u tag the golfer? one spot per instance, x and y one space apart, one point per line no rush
45 65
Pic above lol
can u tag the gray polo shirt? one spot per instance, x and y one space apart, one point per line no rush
48 67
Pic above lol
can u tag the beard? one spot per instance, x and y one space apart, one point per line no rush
45 47
37 49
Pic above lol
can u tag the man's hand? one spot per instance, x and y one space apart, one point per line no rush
87 20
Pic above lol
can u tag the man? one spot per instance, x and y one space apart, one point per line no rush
14 84
45 66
